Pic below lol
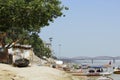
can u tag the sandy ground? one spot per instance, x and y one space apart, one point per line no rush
8 72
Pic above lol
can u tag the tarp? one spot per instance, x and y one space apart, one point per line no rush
59 62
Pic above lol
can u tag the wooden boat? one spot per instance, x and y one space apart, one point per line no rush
104 78
85 74
116 70
92 71
91 74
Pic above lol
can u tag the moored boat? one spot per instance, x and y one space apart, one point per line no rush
116 70
104 78
93 71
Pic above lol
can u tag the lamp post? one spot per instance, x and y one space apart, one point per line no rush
51 40
51 44
59 50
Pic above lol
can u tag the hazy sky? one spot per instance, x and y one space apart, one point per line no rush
90 28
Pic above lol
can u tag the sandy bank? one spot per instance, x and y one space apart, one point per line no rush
8 72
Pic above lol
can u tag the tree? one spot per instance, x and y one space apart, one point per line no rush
28 15
20 19
39 48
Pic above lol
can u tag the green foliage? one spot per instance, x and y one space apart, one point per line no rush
75 66
23 19
39 48
28 14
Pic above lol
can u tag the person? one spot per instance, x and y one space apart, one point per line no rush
110 63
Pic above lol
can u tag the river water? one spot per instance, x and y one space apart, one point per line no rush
102 62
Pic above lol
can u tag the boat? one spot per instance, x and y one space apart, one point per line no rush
84 66
93 71
104 78
116 70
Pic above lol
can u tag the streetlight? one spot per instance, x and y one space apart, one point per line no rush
51 44
50 40
59 49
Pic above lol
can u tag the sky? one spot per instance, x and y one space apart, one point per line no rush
90 28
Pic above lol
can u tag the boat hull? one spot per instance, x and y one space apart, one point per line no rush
90 74
116 72
104 78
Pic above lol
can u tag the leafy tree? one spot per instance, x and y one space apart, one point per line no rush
39 48
22 19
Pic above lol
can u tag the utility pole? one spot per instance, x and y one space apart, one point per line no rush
59 50
51 45
51 40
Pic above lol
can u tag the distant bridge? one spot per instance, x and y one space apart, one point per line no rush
93 58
